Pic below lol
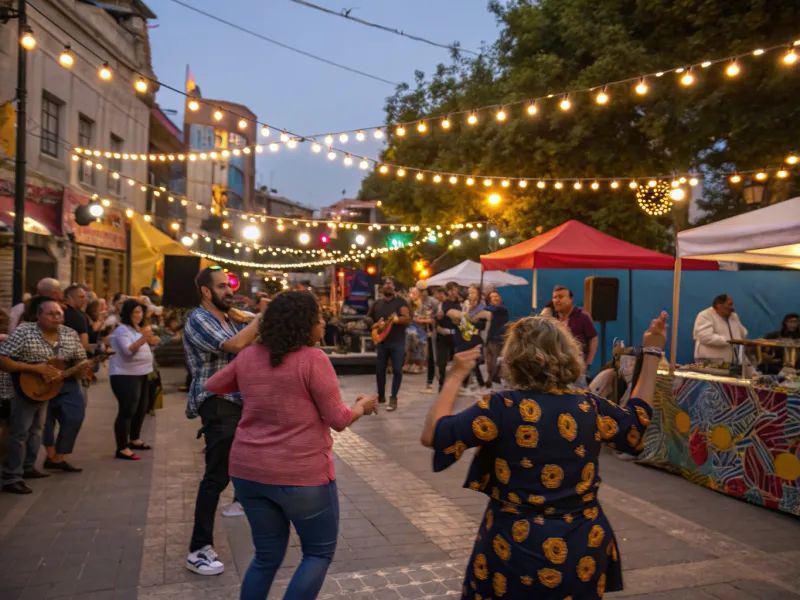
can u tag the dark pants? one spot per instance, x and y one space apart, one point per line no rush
220 419
25 437
493 348
132 392
397 354
444 353
431 360
314 512
476 370
68 410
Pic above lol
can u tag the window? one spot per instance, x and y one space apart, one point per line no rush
114 165
85 130
51 113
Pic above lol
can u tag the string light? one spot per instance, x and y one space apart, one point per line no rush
437 178
27 40
343 138
193 105
523 183
532 110
66 57
472 119
331 155
104 72
558 185
378 134
602 97
655 200
565 104
501 115
265 131
141 85
687 79
761 176
541 185
360 136
421 127
445 123
782 174
732 70
400 131
641 88
790 57
218 115
735 178
242 123
791 159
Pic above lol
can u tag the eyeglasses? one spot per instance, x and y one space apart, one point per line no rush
54 314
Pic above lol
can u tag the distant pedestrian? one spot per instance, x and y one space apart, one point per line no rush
580 325
495 336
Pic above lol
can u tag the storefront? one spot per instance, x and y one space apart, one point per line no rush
99 257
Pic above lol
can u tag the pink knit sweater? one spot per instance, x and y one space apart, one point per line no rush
284 436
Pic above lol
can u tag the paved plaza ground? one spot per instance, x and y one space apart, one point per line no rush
119 530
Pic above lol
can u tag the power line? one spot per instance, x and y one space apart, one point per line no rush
282 45
345 14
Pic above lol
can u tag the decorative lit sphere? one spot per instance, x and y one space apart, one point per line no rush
400 131
401 172
193 105
565 104
558 185
445 123
501 115
420 176
641 89
602 98
472 119
251 232
316 148
677 194
360 136
532 110
791 159
233 281
523 183
595 186
422 127
218 115
655 200
242 124
383 169
437 178
487 182
66 58
361 240
541 185
96 210
304 238
473 235
782 174
364 164
494 199
735 178
577 185
732 70
378 134
104 72
470 181
187 240
348 160
343 138
331 155
453 179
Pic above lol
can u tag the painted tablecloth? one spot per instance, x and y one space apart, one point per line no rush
739 440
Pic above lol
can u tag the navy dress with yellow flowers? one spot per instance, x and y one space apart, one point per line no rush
544 534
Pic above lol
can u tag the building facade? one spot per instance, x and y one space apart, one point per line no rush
74 107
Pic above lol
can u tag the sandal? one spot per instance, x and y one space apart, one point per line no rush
141 446
119 454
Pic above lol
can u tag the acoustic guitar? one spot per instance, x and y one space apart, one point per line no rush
379 332
39 389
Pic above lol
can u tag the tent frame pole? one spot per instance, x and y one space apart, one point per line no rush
676 293
534 285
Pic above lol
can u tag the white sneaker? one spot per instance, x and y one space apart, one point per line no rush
428 389
233 510
204 562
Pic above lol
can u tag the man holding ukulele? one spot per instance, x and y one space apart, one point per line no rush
390 311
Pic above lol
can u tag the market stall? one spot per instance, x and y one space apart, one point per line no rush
736 435
469 272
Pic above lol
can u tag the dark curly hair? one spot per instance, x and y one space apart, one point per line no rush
287 323
126 313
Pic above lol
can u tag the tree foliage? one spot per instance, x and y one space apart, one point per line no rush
550 46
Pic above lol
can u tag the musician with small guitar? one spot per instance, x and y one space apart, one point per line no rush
389 317
31 350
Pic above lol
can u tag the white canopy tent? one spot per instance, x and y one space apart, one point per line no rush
767 236
469 272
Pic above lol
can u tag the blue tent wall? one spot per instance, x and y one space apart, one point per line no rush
761 298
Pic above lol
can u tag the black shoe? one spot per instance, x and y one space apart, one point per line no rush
18 487
61 466
392 404
381 400
34 474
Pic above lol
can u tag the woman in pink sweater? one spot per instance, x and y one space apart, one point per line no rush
281 462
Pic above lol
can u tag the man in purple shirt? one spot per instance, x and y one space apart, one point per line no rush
579 323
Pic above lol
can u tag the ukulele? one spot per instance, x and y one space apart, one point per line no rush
379 332
37 388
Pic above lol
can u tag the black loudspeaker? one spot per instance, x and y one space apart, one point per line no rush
179 274
600 298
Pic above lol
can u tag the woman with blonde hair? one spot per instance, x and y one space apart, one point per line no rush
544 534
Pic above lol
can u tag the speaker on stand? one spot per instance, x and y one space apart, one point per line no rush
601 300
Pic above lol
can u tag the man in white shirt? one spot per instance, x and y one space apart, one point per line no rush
48 287
713 327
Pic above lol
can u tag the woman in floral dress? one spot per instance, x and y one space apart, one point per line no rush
544 534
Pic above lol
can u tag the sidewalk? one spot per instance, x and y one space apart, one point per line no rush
120 530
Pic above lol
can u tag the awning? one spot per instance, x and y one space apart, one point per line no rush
148 248
469 272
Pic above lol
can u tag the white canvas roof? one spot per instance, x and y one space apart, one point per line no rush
469 272
767 236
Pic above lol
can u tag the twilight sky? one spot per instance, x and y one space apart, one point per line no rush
298 93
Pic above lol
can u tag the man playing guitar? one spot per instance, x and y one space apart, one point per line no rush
390 311
28 350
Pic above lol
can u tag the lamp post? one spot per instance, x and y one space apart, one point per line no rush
753 192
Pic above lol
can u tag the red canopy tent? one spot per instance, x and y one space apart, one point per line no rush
574 245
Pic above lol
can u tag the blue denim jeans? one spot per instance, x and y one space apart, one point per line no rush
397 354
68 410
314 512
25 437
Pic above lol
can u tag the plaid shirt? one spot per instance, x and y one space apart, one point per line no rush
26 344
203 337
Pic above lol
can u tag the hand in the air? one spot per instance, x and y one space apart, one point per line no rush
463 362
147 332
656 334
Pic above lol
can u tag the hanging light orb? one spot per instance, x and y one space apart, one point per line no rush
66 58
104 72
193 105
27 40
655 201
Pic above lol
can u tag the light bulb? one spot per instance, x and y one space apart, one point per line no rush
677 194
148 218
641 89
437 178
541 185
472 119
218 115
343 138
565 104
791 159
104 72
505 183
421 127
348 161
501 115
242 124
758 52
532 110
705 64
66 58
652 183
614 185
782 174
470 181
595 186
27 40
559 185
473 235
364 164
790 58
687 79
735 178
292 144
693 181
96 210
761 176
732 70
378 134
129 213
633 185
174 226
420 176
140 85
360 136
401 172
304 238
383 169
487 182
602 97
523 183
285 137
273 147
331 155
445 123
577 185
193 105
265 131
400 131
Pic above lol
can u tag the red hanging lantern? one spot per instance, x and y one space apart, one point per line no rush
233 280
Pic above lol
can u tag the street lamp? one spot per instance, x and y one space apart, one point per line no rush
753 192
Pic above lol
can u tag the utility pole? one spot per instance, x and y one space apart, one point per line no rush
19 170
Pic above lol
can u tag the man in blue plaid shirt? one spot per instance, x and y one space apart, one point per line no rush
211 340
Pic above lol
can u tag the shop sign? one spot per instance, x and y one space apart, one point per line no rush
109 232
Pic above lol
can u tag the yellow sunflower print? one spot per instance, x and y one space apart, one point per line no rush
479 486
534 499
596 436
642 415
601 585
525 462
489 519
520 530
513 498
633 437
527 436
555 549
456 449
484 401
587 473
509 402
584 406
499 584
591 513
539 520
530 411
596 536
501 547
549 577
588 497
567 427
580 451
552 475
549 510
612 551
480 568
484 429
495 493
586 567
568 518
509 508
606 426
501 470
526 580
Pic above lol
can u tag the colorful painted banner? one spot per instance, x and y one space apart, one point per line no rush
739 440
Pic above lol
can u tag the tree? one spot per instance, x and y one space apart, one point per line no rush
742 123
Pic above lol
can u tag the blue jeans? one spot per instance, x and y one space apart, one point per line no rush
314 512
397 354
68 410
25 437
